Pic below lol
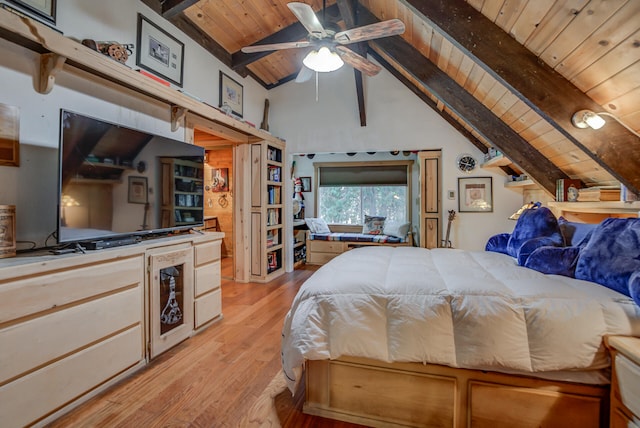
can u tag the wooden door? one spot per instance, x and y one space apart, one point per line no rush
430 198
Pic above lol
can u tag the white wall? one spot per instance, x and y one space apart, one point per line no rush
32 186
396 120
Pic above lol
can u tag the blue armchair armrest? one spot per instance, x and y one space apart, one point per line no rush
498 243
530 245
554 260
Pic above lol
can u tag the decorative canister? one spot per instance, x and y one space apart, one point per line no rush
7 231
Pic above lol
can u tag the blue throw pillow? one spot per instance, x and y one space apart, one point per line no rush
575 234
612 255
532 224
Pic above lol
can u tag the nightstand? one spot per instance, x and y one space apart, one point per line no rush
625 381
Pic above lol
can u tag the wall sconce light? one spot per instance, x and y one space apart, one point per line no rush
588 119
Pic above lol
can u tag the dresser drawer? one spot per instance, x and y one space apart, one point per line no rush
207 278
336 247
628 379
320 258
208 307
205 253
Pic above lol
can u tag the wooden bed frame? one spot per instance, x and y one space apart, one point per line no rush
379 394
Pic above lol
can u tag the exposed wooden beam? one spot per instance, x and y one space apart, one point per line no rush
348 10
401 54
420 94
556 99
171 8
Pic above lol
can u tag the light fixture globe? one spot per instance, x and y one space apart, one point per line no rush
587 119
323 60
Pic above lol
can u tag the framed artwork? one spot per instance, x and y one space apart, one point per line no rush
9 135
475 194
138 190
43 10
230 95
306 184
219 179
159 52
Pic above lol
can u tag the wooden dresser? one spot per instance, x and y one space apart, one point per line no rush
72 325
625 381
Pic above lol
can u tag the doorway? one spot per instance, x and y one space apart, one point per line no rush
218 194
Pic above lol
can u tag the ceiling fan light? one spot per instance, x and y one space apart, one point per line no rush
323 60
587 118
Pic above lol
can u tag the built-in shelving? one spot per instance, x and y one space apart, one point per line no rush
57 51
497 161
594 212
521 183
267 212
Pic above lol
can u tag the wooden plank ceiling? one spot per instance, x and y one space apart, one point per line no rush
524 65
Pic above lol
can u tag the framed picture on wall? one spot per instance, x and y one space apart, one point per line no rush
42 10
138 190
306 184
231 93
220 179
475 194
159 52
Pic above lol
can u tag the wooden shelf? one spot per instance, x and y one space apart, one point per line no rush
594 212
496 162
518 184
57 50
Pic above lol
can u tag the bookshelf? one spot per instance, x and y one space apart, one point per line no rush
267 211
182 183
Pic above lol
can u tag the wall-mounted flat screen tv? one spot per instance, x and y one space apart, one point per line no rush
117 182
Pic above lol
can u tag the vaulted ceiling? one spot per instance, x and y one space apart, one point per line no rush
507 74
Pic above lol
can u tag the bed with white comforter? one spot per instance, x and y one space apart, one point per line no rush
477 310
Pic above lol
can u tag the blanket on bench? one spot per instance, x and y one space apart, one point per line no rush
355 237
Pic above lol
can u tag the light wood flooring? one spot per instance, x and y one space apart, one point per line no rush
213 378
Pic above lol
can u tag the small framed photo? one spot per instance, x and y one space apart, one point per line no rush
138 192
230 95
159 52
43 10
475 194
306 184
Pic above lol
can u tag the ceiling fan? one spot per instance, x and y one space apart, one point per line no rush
329 51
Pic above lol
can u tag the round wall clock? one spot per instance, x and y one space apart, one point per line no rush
466 163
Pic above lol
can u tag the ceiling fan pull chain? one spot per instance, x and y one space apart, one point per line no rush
316 86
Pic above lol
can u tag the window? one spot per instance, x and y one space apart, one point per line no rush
347 192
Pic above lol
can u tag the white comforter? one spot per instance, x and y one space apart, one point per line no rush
457 308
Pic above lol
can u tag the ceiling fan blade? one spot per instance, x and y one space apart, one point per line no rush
304 74
357 61
308 19
275 46
391 27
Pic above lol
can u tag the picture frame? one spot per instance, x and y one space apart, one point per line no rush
475 194
138 190
219 179
231 95
42 10
306 184
159 52
9 135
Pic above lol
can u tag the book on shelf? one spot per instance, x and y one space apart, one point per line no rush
598 194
